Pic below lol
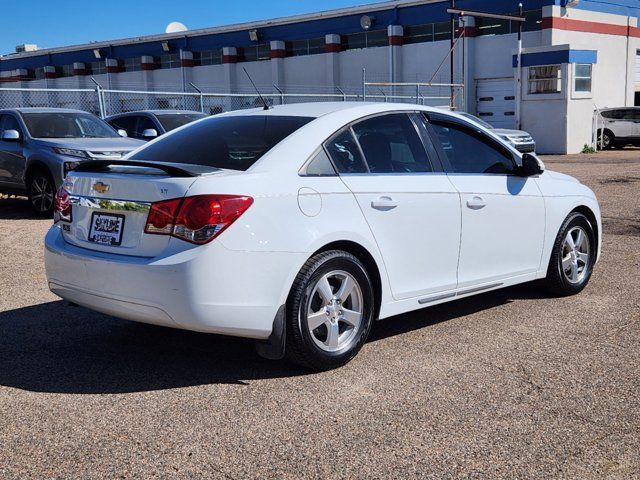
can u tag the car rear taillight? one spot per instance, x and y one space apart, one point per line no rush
197 219
62 206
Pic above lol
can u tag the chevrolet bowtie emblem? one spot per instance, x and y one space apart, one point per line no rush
101 187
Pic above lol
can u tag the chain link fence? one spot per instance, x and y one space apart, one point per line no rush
105 102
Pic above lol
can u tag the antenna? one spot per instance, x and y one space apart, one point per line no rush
264 102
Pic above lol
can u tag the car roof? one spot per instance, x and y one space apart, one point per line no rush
43 110
320 109
157 112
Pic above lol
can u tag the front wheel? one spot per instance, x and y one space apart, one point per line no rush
41 191
329 311
573 256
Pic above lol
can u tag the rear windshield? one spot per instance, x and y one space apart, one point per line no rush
171 121
234 143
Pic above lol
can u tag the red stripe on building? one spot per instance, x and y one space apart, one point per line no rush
332 48
278 54
590 27
229 59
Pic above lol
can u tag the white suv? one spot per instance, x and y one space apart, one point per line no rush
621 126
300 225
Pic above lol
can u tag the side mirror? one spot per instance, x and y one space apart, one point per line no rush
122 133
149 133
531 165
11 136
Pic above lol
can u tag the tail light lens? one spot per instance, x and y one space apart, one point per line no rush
62 206
197 219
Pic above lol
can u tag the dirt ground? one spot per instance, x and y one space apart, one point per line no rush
507 384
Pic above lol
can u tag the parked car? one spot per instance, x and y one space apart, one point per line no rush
521 140
39 146
149 124
621 126
299 225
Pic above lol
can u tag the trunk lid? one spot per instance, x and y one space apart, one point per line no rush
110 206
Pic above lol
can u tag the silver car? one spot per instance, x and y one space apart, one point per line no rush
38 146
621 126
519 139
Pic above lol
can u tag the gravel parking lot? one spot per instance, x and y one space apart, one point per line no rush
507 384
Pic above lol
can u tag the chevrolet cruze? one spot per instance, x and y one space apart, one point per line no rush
300 225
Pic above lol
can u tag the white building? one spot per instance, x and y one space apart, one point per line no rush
575 58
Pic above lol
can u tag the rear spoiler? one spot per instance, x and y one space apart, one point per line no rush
172 169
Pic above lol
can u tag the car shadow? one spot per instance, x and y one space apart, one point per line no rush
16 208
57 348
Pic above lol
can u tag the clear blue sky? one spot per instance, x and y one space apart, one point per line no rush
51 23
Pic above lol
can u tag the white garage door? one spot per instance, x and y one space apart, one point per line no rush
496 102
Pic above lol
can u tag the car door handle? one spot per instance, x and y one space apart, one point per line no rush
476 203
384 204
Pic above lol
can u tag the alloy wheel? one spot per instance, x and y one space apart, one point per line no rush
335 311
575 255
42 193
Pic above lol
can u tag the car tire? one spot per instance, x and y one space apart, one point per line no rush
607 139
41 191
320 334
573 256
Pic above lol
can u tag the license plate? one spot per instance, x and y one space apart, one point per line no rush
106 228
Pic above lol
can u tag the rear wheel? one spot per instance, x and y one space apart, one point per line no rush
573 256
606 139
41 192
329 311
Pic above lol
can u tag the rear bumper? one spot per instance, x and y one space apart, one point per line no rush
206 289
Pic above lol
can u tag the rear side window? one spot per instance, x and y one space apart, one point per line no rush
234 143
470 152
345 153
391 144
614 114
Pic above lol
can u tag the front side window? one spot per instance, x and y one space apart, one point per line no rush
545 79
234 143
471 152
67 125
391 144
582 77
345 153
128 124
9 122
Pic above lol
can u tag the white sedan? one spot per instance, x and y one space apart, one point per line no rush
300 225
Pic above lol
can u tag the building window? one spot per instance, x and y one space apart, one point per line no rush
374 38
441 31
418 33
98 68
493 26
170 60
582 77
133 64
305 47
39 73
545 79
207 57
254 53
65 71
